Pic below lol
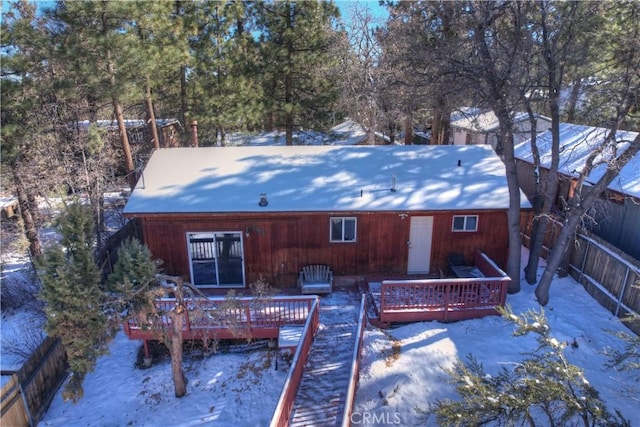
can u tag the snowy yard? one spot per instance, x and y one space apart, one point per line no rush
401 371
402 368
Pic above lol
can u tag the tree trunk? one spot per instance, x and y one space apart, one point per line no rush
177 320
408 129
513 213
152 116
117 109
183 96
572 102
126 148
288 80
179 378
435 128
549 191
30 228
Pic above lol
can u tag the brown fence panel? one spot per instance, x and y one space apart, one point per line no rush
13 410
611 276
29 392
42 375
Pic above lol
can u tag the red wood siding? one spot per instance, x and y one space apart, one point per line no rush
279 244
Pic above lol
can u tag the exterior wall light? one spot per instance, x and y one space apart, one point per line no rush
263 200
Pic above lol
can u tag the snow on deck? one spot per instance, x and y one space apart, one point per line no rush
320 400
320 179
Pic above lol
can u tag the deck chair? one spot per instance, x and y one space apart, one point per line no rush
316 279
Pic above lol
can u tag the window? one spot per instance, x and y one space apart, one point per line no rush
465 223
216 259
343 230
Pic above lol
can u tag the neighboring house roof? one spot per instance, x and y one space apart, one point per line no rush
345 133
474 120
577 142
129 124
350 132
321 178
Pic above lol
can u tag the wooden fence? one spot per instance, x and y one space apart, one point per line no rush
26 397
608 274
282 413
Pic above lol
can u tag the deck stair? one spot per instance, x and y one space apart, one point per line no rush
320 400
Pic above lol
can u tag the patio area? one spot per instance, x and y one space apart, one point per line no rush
475 293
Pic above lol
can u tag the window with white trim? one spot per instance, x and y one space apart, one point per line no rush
342 229
465 223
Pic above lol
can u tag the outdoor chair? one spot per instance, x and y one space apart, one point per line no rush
316 279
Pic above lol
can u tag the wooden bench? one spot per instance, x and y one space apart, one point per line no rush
316 279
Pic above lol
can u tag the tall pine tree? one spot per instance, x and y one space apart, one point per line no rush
296 38
72 295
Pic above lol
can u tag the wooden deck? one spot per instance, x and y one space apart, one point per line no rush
446 300
219 318
322 396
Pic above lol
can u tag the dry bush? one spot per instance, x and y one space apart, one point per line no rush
25 338
20 291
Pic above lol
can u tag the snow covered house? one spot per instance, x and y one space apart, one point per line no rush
472 126
225 216
617 216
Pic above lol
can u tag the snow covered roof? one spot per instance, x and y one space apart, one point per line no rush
345 133
475 121
321 178
577 142
128 123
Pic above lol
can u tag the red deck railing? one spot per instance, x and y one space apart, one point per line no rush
354 375
222 318
282 413
445 299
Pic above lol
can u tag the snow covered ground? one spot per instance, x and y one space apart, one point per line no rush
402 368
226 389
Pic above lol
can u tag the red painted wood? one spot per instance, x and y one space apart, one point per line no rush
279 244
445 299
250 319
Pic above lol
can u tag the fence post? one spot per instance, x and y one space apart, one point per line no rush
26 405
584 261
624 288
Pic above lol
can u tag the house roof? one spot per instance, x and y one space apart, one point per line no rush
320 178
473 120
577 142
128 123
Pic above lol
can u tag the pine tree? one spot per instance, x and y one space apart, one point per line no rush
299 82
71 291
131 285
544 389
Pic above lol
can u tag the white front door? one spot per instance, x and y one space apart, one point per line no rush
420 233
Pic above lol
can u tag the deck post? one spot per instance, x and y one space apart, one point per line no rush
147 357
446 301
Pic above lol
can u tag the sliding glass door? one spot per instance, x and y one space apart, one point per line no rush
216 259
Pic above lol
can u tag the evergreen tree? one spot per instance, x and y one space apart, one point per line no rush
544 389
27 111
225 82
299 82
73 299
131 284
95 42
